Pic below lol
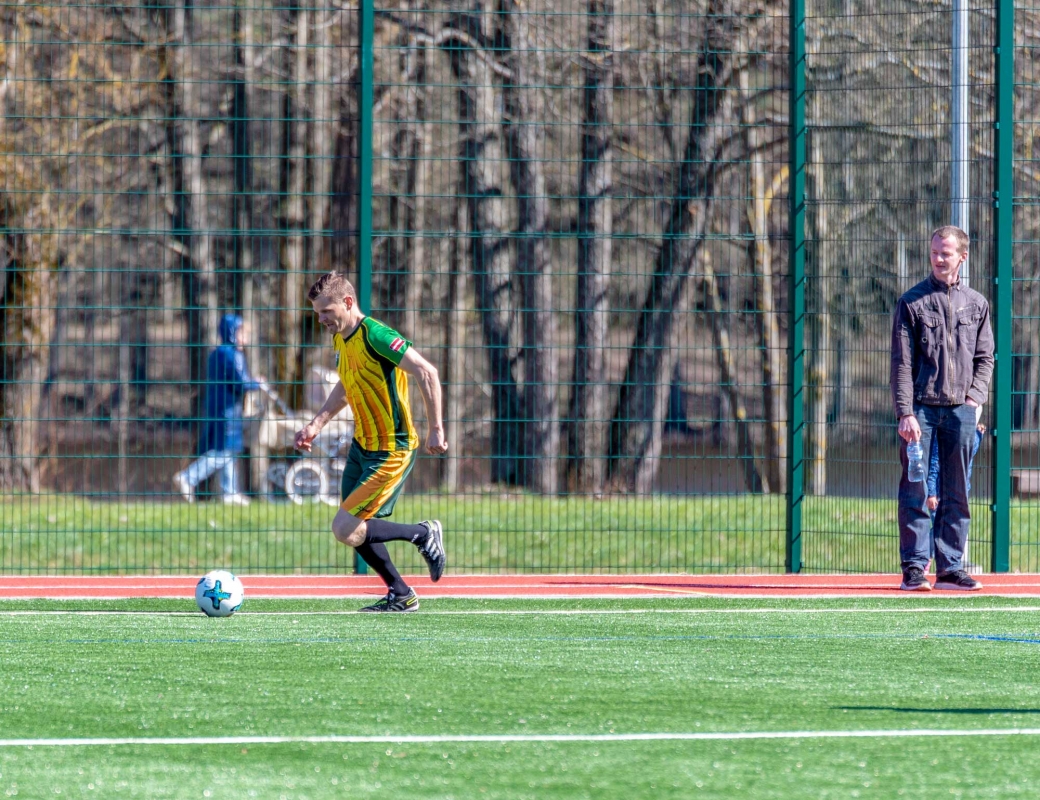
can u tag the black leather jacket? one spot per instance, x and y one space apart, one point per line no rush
942 346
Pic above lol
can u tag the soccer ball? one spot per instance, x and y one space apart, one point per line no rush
219 593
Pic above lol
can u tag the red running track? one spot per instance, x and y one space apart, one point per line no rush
491 586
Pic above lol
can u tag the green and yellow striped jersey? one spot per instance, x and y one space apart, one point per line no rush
377 390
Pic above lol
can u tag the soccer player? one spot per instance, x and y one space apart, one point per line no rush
373 362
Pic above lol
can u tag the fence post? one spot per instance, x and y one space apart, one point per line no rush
364 173
1003 299
796 291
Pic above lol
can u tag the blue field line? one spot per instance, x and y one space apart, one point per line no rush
988 637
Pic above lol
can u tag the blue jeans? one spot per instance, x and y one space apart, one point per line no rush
954 429
208 463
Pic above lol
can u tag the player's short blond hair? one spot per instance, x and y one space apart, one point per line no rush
331 284
955 233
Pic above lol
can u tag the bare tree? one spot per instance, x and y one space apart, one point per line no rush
524 131
26 321
323 140
728 374
416 183
242 105
454 346
635 442
344 191
768 329
589 410
482 160
411 150
191 240
294 210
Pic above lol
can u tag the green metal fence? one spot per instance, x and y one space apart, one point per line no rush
652 248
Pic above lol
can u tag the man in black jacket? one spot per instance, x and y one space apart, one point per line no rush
942 361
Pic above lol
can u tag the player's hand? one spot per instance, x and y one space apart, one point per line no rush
931 503
909 429
436 443
305 437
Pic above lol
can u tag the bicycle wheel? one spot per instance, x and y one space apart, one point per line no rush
306 482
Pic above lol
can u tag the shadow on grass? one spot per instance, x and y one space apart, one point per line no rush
902 710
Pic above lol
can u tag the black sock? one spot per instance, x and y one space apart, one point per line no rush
378 558
379 530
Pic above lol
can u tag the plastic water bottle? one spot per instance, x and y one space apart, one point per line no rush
915 462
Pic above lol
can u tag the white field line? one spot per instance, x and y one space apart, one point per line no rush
564 612
778 594
519 738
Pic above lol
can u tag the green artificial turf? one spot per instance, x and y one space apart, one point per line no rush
301 668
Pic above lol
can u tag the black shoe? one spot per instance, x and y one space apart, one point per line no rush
394 603
432 549
915 581
958 581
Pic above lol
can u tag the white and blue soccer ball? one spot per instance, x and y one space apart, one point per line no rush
219 593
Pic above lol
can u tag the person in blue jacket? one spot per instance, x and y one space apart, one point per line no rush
933 487
220 441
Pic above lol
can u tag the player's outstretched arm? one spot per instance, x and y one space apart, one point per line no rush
429 381
334 403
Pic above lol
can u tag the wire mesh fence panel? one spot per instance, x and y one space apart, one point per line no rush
165 165
578 212
1025 411
878 183
564 221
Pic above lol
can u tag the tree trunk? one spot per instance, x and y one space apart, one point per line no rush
482 158
524 130
242 106
728 376
130 299
322 144
844 309
294 244
817 375
411 149
635 444
773 390
192 241
344 190
26 292
418 150
590 424
455 352
26 322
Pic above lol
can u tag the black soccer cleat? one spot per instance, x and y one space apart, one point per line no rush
432 549
395 604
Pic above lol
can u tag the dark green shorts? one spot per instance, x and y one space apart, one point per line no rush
373 479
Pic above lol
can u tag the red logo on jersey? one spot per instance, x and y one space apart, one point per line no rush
397 344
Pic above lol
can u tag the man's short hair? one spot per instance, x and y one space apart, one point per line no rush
331 284
955 233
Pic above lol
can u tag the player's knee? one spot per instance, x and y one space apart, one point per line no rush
348 529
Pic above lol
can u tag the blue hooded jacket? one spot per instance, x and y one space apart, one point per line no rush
227 381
